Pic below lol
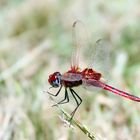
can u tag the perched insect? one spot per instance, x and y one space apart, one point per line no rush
87 77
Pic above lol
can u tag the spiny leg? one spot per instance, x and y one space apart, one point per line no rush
78 104
74 94
56 93
66 97
65 100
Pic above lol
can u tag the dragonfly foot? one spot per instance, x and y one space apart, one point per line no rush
70 121
54 105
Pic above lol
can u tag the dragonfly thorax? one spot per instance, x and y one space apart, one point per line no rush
55 79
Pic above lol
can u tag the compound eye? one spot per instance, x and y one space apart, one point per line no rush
55 79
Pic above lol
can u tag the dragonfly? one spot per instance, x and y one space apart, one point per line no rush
88 77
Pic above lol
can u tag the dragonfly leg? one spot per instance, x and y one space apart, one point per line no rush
75 95
56 93
65 100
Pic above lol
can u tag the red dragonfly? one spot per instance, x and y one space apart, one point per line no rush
87 77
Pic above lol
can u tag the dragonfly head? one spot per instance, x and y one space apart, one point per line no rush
55 79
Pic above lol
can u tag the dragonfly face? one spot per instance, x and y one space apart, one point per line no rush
55 79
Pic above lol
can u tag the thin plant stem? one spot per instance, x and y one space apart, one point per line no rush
79 125
76 123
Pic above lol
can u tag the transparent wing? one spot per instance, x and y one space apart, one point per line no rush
81 41
100 60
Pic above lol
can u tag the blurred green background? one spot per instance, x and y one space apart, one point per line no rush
36 40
